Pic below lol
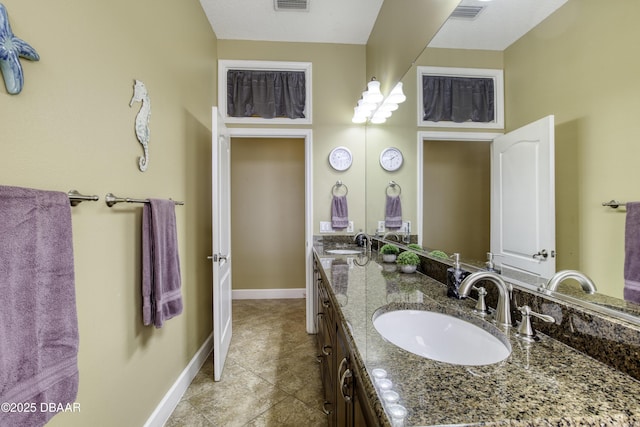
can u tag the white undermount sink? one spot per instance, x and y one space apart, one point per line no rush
343 251
441 337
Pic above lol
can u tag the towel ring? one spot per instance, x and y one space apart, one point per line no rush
394 187
335 189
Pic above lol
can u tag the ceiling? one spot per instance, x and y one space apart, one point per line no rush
326 21
497 26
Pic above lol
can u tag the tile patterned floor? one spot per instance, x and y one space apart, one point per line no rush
271 377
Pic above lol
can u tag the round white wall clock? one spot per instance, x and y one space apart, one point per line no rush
391 159
340 158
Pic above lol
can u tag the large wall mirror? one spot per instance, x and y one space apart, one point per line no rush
578 64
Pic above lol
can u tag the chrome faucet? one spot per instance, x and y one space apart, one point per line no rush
391 233
365 237
360 234
503 311
367 248
587 284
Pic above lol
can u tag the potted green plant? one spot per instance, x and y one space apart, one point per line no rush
408 261
414 246
439 254
389 252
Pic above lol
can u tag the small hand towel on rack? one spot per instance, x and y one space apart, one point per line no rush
161 282
632 253
38 319
393 212
339 212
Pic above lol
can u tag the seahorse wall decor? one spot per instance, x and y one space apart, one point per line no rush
142 121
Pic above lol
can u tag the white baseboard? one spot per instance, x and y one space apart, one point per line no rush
269 293
169 402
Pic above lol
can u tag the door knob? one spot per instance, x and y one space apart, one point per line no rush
217 257
541 254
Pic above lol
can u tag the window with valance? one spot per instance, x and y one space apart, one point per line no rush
470 98
265 92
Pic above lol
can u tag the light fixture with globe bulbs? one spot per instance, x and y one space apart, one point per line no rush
374 107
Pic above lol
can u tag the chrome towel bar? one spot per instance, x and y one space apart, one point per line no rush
110 199
75 198
614 204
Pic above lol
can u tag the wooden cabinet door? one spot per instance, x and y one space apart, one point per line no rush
344 384
325 346
363 414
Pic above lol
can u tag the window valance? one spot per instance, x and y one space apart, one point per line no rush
458 99
266 94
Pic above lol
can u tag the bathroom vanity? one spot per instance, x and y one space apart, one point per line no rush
345 403
539 384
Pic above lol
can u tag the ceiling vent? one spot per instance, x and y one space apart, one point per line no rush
291 5
466 12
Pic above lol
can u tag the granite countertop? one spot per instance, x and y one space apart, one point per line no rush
540 384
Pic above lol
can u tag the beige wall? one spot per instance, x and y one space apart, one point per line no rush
267 213
580 65
338 80
72 128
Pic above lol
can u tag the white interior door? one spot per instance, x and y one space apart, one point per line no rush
523 199
221 258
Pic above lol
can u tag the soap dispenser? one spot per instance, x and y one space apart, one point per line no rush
455 276
489 264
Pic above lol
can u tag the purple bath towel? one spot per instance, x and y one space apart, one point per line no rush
161 294
632 253
393 212
38 320
339 212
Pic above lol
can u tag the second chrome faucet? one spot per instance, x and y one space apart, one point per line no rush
587 284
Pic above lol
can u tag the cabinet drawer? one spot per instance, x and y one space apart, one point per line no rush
324 303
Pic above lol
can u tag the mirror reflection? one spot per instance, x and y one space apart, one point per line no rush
577 65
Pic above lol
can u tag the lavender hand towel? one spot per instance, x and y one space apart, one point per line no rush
393 212
38 319
161 282
632 253
339 212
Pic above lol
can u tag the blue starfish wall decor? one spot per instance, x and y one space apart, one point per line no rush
11 49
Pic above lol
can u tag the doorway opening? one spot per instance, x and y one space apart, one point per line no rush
280 225
267 217
454 192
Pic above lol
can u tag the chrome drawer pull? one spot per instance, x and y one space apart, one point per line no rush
344 360
347 374
325 351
